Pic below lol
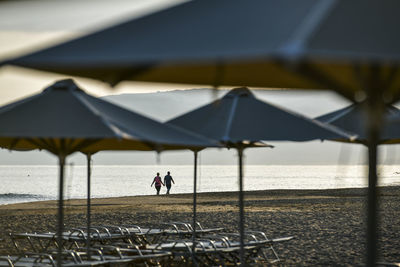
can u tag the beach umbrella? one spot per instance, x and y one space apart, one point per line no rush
265 43
245 144
63 119
239 120
372 129
353 119
351 47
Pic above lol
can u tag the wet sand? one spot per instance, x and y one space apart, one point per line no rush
329 226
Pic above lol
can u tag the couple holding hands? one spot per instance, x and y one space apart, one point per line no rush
158 182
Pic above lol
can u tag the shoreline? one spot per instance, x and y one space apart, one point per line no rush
271 192
329 225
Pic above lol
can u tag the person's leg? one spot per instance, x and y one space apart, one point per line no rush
158 189
168 188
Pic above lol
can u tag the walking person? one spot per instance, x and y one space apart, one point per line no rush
157 183
167 181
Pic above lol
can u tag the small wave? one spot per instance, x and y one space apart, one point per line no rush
14 195
13 198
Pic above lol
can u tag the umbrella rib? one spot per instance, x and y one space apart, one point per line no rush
53 143
62 149
296 44
154 146
68 143
219 74
315 74
85 143
14 142
229 122
48 143
392 77
18 103
42 144
63 146
359 75
338 116
71 147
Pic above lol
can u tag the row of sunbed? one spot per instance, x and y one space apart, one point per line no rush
171 244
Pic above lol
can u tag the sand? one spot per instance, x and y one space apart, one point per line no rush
329 226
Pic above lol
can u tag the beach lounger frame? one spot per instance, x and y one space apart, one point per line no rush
259 239
79 257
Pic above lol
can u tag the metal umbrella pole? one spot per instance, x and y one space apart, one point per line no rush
60 229
372 223
194 208
241 206
375 109
89 173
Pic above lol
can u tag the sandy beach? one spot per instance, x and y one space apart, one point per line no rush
329 226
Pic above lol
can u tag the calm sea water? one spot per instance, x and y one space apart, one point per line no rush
35 183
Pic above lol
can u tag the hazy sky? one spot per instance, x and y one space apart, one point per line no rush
29 25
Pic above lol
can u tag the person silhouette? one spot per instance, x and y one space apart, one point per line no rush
157 183
167 181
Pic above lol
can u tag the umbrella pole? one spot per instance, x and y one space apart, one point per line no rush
60 229
372 209
194 208
372 223
374 111
89 158
241 206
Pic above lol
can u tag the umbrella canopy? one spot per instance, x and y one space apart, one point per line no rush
239 119
333 44
354 118
64 119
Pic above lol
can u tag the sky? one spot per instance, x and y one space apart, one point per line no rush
30 25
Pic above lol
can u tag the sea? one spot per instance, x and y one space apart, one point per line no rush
31 183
